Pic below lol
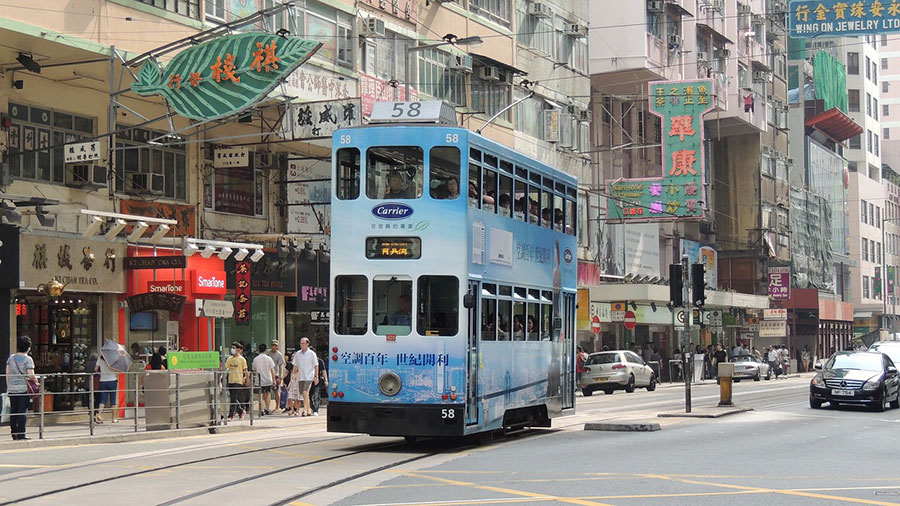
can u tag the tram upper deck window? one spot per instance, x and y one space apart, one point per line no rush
558 213
520 207
505 201
534 205
474 186
570 217
438 306
488 319
547 209
394 172
489 197
392 305
351 305
444 173
348 173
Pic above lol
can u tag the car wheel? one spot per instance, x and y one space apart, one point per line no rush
587 392
880 406
630 386
895 404
652 386
756 378
608 391
736 380
815 403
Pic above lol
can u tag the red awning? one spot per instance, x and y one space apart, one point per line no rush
835 124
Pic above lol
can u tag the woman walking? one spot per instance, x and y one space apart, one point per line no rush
293 389
19 372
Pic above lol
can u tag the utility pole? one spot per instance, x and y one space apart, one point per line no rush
685 338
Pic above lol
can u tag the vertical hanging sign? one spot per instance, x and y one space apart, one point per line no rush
891 272
242 292
876 283
680 192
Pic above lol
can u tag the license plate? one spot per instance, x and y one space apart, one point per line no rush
848 393
600 379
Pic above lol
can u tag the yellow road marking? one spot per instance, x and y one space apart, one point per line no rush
785 492
36 466
521 493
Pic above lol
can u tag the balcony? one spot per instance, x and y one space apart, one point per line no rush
710 15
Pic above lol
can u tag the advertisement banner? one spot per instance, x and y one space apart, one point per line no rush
680 191
583 310
780 283
772 328
193 360
775 314
876 283
242 292
839 18
312 83
373 89
642 249
706 255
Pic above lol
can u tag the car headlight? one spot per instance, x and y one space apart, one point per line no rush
818 381
872 384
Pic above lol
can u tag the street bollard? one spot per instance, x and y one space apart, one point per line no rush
726 372
41 400
91 407
177 401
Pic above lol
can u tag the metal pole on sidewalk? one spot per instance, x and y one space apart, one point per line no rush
686 294
41 391
215 398
252 394
177 401
137 403
91 407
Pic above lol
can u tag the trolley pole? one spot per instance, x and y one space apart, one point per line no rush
685 339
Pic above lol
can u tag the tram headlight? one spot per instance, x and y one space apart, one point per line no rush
389 384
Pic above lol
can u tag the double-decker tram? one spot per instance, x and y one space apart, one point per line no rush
453 280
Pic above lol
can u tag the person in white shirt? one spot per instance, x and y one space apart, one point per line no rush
772 357
278 358
265 367
305 373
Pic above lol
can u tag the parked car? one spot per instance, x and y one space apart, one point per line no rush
889 348
748 366
616 370
856 377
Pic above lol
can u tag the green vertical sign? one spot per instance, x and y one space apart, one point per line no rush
876 283
680 192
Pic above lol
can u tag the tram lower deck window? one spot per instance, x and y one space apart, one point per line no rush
348 173
351 305
392 306
437 306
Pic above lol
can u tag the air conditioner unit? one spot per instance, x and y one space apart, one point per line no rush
540 10
489 73
576 30
745 9
702 57
723 53
656 6
584 115
371 27
759 19
717 5
674 41
463 63
760 76
571 109
146 183
86 175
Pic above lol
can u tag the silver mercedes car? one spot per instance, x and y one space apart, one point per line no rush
748 366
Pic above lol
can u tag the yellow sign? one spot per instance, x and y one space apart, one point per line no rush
617 306
583 310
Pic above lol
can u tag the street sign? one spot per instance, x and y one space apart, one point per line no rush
715 318
618 316
595 325
83 152
629 320
775 314
214 308
193 359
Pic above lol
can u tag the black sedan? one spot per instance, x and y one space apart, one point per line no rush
861 377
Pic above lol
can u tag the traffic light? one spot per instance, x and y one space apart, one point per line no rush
698 295
676 285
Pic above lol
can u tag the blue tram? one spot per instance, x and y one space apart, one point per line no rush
453 281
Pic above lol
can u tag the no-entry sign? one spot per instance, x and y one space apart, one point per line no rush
629 320
595 325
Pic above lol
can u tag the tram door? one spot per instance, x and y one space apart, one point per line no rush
472 361
568 344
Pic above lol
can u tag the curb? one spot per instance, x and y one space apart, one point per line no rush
623 426
706 413
127 437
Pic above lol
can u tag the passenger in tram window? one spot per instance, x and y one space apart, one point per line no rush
558 219
398 186
504 328
520 207
532 328
403 315
504 204
546 217
452 188
533 211
439 323
518 328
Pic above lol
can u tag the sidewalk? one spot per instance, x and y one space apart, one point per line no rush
124 430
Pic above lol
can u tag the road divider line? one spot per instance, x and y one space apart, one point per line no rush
787 492
502 490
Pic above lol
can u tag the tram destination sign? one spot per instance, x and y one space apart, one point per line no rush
838 18
680 192
395 248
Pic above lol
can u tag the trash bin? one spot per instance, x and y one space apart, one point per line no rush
158 400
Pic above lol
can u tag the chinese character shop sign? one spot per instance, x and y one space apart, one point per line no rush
780 283
679 193
224 75
836 18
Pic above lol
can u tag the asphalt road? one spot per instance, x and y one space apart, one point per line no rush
782 452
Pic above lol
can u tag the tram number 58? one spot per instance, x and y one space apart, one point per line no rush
447 414
452 138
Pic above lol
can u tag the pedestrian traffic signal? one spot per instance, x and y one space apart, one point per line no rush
698 294
676 285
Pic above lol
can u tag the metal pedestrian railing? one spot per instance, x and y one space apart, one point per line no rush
69 404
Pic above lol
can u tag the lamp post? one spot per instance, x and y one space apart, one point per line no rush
448 39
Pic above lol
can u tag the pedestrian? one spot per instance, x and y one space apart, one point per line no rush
90 365
710 361
315 393
738 350
305 373
756 353
772 358
786 359
238 380
648 352
264 366
109 389
719 357
293 391
678 361
19 374
157 360
278 358
580 359
163 355
805 357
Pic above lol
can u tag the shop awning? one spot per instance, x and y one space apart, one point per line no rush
835 124
487 60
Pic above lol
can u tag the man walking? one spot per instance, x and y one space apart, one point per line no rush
265 367
316 391
238 379
305 373
772 358
278 359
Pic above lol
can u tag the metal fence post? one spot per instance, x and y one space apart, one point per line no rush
41 402
215 399
137 400
252 393
177 401
91 406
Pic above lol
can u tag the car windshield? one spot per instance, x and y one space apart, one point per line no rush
865 361
743 358
891 350
603 358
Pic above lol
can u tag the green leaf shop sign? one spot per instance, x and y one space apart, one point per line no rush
225 75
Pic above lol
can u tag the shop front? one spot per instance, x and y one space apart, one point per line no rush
271 279
307 314
163 321
66 303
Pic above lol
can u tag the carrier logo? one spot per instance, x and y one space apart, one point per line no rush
567 255
392 211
